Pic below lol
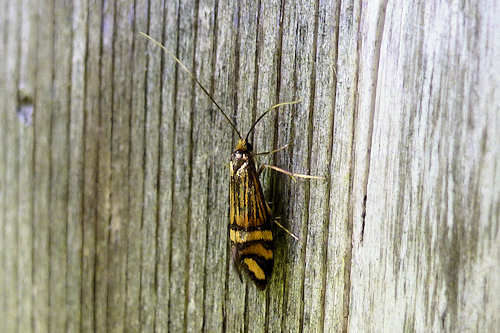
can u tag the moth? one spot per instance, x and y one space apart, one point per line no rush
250 215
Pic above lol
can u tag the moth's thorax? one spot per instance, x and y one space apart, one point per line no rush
241 157
240 161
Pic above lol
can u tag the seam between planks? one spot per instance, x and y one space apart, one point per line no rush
159 167
16 124
173 175
33 168
309 148
129 162
329 155
98 161
111 173
68 159
190 171
83 167
210 166
144 166
51 124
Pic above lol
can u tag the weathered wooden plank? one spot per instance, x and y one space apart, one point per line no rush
431 137
136 171
152 151
201 147
216 273
59 155
26 90
369 51
90 165
300 138
182 172
11 231
43 111
76 168
120 142
339 233
104 166
167 149
280 282
325 81
3 164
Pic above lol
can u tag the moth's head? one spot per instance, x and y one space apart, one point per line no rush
241 154
243 146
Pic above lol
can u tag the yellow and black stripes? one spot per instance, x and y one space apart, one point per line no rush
250 221
253 251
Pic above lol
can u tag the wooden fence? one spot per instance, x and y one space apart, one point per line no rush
114 177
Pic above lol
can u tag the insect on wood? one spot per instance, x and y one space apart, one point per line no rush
250 216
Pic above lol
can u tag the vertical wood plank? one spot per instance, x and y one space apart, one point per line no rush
167 150
315 283
182 158
26 90
280 283
59 158
43 111
152 151
430 133
11 230
368 50
136 171
106 64
76 189
91 165
300 139
120 141
342 172
201 147
3 164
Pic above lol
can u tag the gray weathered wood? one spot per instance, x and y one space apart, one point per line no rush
11 153
42 115
113 165
428 248
26 88
90 166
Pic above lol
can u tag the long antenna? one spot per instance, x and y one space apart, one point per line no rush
193 78
266 112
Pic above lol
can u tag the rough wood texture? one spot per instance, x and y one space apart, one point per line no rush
114 180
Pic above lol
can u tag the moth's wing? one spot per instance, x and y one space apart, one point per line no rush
250 228
248 207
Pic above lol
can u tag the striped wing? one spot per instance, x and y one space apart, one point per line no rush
250 226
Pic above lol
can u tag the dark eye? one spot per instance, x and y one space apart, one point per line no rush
249 147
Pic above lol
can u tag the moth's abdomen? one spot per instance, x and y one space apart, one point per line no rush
253 251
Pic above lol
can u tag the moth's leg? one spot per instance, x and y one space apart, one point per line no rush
288 173
275 220
272 151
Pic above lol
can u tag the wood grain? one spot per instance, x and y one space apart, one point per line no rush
114 180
